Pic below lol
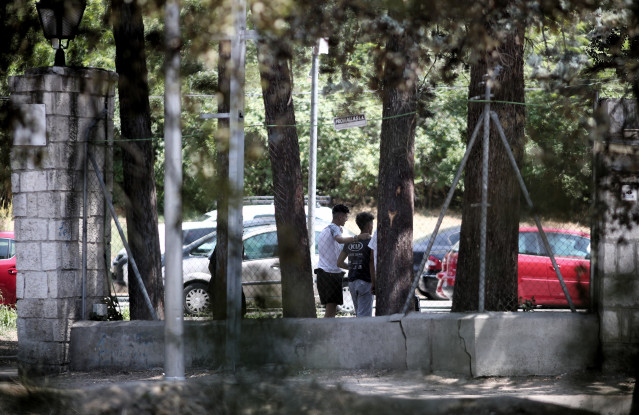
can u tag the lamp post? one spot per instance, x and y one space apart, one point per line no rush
60 20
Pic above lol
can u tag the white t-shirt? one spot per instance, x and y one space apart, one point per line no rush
329 249
373 245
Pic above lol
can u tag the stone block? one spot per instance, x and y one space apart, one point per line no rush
36 285
33 181
95 256
39 328
27 158
63 156
27 229
73 105
61 329
626 257
71 256
48 205
19 204
23 98
32 204
20 285
633 335
15 183
65 284
95 229
28 256
64 230
31 308
610 327
63 129
42 353
50 255
64 180
620 291
96 284
608 255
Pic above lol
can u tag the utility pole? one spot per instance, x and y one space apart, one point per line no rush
320 48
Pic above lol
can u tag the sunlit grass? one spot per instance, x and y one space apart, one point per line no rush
8 319
6 216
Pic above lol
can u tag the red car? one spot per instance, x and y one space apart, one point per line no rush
7 268
536 276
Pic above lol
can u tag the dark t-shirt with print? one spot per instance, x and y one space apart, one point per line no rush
358 254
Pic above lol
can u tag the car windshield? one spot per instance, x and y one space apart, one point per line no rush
445 237
561 243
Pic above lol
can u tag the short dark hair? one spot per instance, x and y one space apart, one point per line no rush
340 209
364 218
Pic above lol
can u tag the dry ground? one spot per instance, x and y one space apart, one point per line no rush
274 390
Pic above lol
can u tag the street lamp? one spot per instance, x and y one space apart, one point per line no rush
60 20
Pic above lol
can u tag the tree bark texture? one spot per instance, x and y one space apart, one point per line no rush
396 178
292 236
503 187
217 285
138 159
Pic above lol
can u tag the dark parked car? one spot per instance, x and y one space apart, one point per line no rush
445 239
536 276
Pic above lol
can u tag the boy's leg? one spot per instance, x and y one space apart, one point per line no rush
352 287
364 305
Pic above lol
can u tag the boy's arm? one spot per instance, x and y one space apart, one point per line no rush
371 264
340 239
340 260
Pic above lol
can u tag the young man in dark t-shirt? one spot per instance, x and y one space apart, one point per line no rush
359 275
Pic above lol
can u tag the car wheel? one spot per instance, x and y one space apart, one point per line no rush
196 298
422 287
431 289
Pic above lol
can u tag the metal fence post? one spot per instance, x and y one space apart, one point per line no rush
174 307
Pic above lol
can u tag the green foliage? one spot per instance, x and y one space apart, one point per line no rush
6 215
8 318
557 161
557 166
527 304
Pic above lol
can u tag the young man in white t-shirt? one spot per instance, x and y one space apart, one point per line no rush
329 275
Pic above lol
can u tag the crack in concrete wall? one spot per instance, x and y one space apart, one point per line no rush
461 337
401 326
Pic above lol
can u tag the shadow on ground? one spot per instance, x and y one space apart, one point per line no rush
246 395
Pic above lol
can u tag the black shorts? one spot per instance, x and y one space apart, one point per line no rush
329 287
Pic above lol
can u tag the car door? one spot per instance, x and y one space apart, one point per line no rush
537 276
572 256
261 277
7 271
532 276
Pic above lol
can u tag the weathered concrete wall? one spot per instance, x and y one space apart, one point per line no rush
47 184
492 344
616 236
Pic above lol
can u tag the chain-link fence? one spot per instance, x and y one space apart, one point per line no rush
538 284
540 279
261 277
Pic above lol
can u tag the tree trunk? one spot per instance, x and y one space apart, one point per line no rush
217 285
396 179
137 159
503 188
292 236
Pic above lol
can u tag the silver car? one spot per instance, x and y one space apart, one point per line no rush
261 277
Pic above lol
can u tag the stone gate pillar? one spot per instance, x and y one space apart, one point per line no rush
616 236
58 105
